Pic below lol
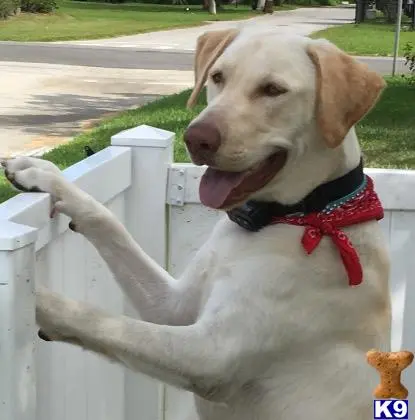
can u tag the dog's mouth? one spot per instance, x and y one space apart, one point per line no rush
222 189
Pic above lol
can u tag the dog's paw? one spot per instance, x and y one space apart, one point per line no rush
53 315
37 175
32 175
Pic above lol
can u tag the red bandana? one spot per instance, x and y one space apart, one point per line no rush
361 207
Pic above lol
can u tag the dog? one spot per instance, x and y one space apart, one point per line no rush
256 328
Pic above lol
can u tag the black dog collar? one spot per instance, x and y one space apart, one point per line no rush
254 215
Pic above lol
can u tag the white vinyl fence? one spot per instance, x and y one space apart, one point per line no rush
136 179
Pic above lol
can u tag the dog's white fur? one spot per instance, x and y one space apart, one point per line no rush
255 328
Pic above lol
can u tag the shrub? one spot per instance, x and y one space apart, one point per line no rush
39 6
8 7
409 54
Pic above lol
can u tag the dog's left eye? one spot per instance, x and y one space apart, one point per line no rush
271 89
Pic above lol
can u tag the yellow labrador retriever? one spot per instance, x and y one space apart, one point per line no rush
256 328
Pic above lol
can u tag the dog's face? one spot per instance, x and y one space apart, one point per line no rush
276 106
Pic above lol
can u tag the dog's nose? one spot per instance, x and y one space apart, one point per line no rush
203 140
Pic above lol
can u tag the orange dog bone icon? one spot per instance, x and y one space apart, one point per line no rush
390 365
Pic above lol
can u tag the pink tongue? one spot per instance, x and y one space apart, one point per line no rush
216 186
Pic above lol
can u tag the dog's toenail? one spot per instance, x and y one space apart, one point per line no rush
43 336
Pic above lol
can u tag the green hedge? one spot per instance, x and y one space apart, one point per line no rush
39 6
10 7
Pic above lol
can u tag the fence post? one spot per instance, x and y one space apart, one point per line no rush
17 322
146 220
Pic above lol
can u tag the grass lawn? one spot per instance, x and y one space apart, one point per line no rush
369 38
87 20
387 134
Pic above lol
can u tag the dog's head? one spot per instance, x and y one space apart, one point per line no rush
280 116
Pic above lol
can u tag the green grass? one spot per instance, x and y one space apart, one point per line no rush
88 20
374 38
387 133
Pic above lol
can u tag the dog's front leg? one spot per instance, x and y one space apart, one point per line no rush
157 296
195 358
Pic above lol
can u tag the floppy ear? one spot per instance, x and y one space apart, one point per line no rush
209 47
346 90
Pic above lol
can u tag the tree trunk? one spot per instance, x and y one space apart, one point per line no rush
360 12
260 4
269 6
212 7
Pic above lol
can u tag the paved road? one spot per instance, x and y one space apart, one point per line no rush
105 57
125 58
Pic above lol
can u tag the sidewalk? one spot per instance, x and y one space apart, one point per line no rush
298 21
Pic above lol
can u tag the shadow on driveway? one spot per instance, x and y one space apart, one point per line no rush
62 115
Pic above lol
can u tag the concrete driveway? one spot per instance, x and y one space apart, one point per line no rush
44 105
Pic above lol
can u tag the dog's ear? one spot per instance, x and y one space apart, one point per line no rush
346 90
209 48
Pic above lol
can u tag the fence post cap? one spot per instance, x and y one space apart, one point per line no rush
14 236
143 136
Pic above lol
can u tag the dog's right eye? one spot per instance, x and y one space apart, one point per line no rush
217 78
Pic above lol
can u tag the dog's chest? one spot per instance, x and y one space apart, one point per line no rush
270 270
232 251
234 255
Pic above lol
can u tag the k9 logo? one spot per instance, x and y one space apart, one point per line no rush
390 409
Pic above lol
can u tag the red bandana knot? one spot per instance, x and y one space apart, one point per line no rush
360 207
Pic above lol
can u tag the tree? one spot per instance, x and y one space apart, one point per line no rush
260 5
268 7
212 7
